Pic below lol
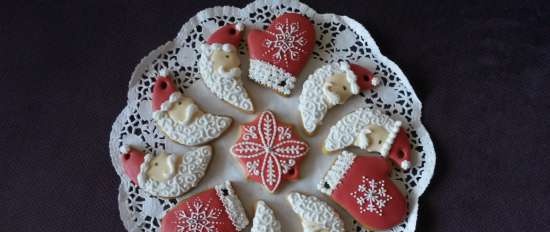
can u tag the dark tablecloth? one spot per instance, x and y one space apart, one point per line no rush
481 70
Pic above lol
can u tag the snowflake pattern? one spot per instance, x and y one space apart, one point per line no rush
371 196
287 42
198 217
274 149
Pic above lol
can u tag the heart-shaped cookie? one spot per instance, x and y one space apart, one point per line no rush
278 54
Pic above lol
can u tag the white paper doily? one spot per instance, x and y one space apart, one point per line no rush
339 38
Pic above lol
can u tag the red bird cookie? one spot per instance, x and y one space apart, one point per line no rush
361 185
269 151
278 54
216 209
372 131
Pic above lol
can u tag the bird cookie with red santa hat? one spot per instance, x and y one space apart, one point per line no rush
362 186
278 54
331 85
180 118
216 209
219 66
165 175
269 151
373 131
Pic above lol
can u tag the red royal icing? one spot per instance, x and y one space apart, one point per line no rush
131 163
226 34
400 151
164 86
363 75
269 151
287 43
369 195
201 212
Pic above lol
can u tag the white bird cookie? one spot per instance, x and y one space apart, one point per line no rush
181 119
316 215
331 85
373 131
264 219
166 175
220 69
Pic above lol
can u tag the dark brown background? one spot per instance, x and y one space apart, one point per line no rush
482 71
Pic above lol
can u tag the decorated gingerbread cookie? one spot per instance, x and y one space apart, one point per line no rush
361 185
278 54
330 85
373 131
220 69
166 175
316 215
216 209
269 151
180 118
264 219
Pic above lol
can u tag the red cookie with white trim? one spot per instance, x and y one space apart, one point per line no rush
216 209
362 186
278 54
165 175
269 151
372 131
180 118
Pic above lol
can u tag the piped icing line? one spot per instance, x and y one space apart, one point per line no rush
232 204
336 173
201 130
192 168
270 75
345 131
264 219
316 214
228 88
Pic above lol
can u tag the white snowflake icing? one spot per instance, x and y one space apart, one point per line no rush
198 217
270 145
371 196
287 42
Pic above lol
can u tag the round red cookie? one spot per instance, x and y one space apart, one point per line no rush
269 151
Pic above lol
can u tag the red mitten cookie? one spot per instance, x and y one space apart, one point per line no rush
216 209
269 151
278 54
361 185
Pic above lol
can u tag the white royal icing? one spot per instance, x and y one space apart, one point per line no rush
264 219
187 175
201 130
316 215
270 76
371 196
226 87
337 171
346 131
232 204
313 104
